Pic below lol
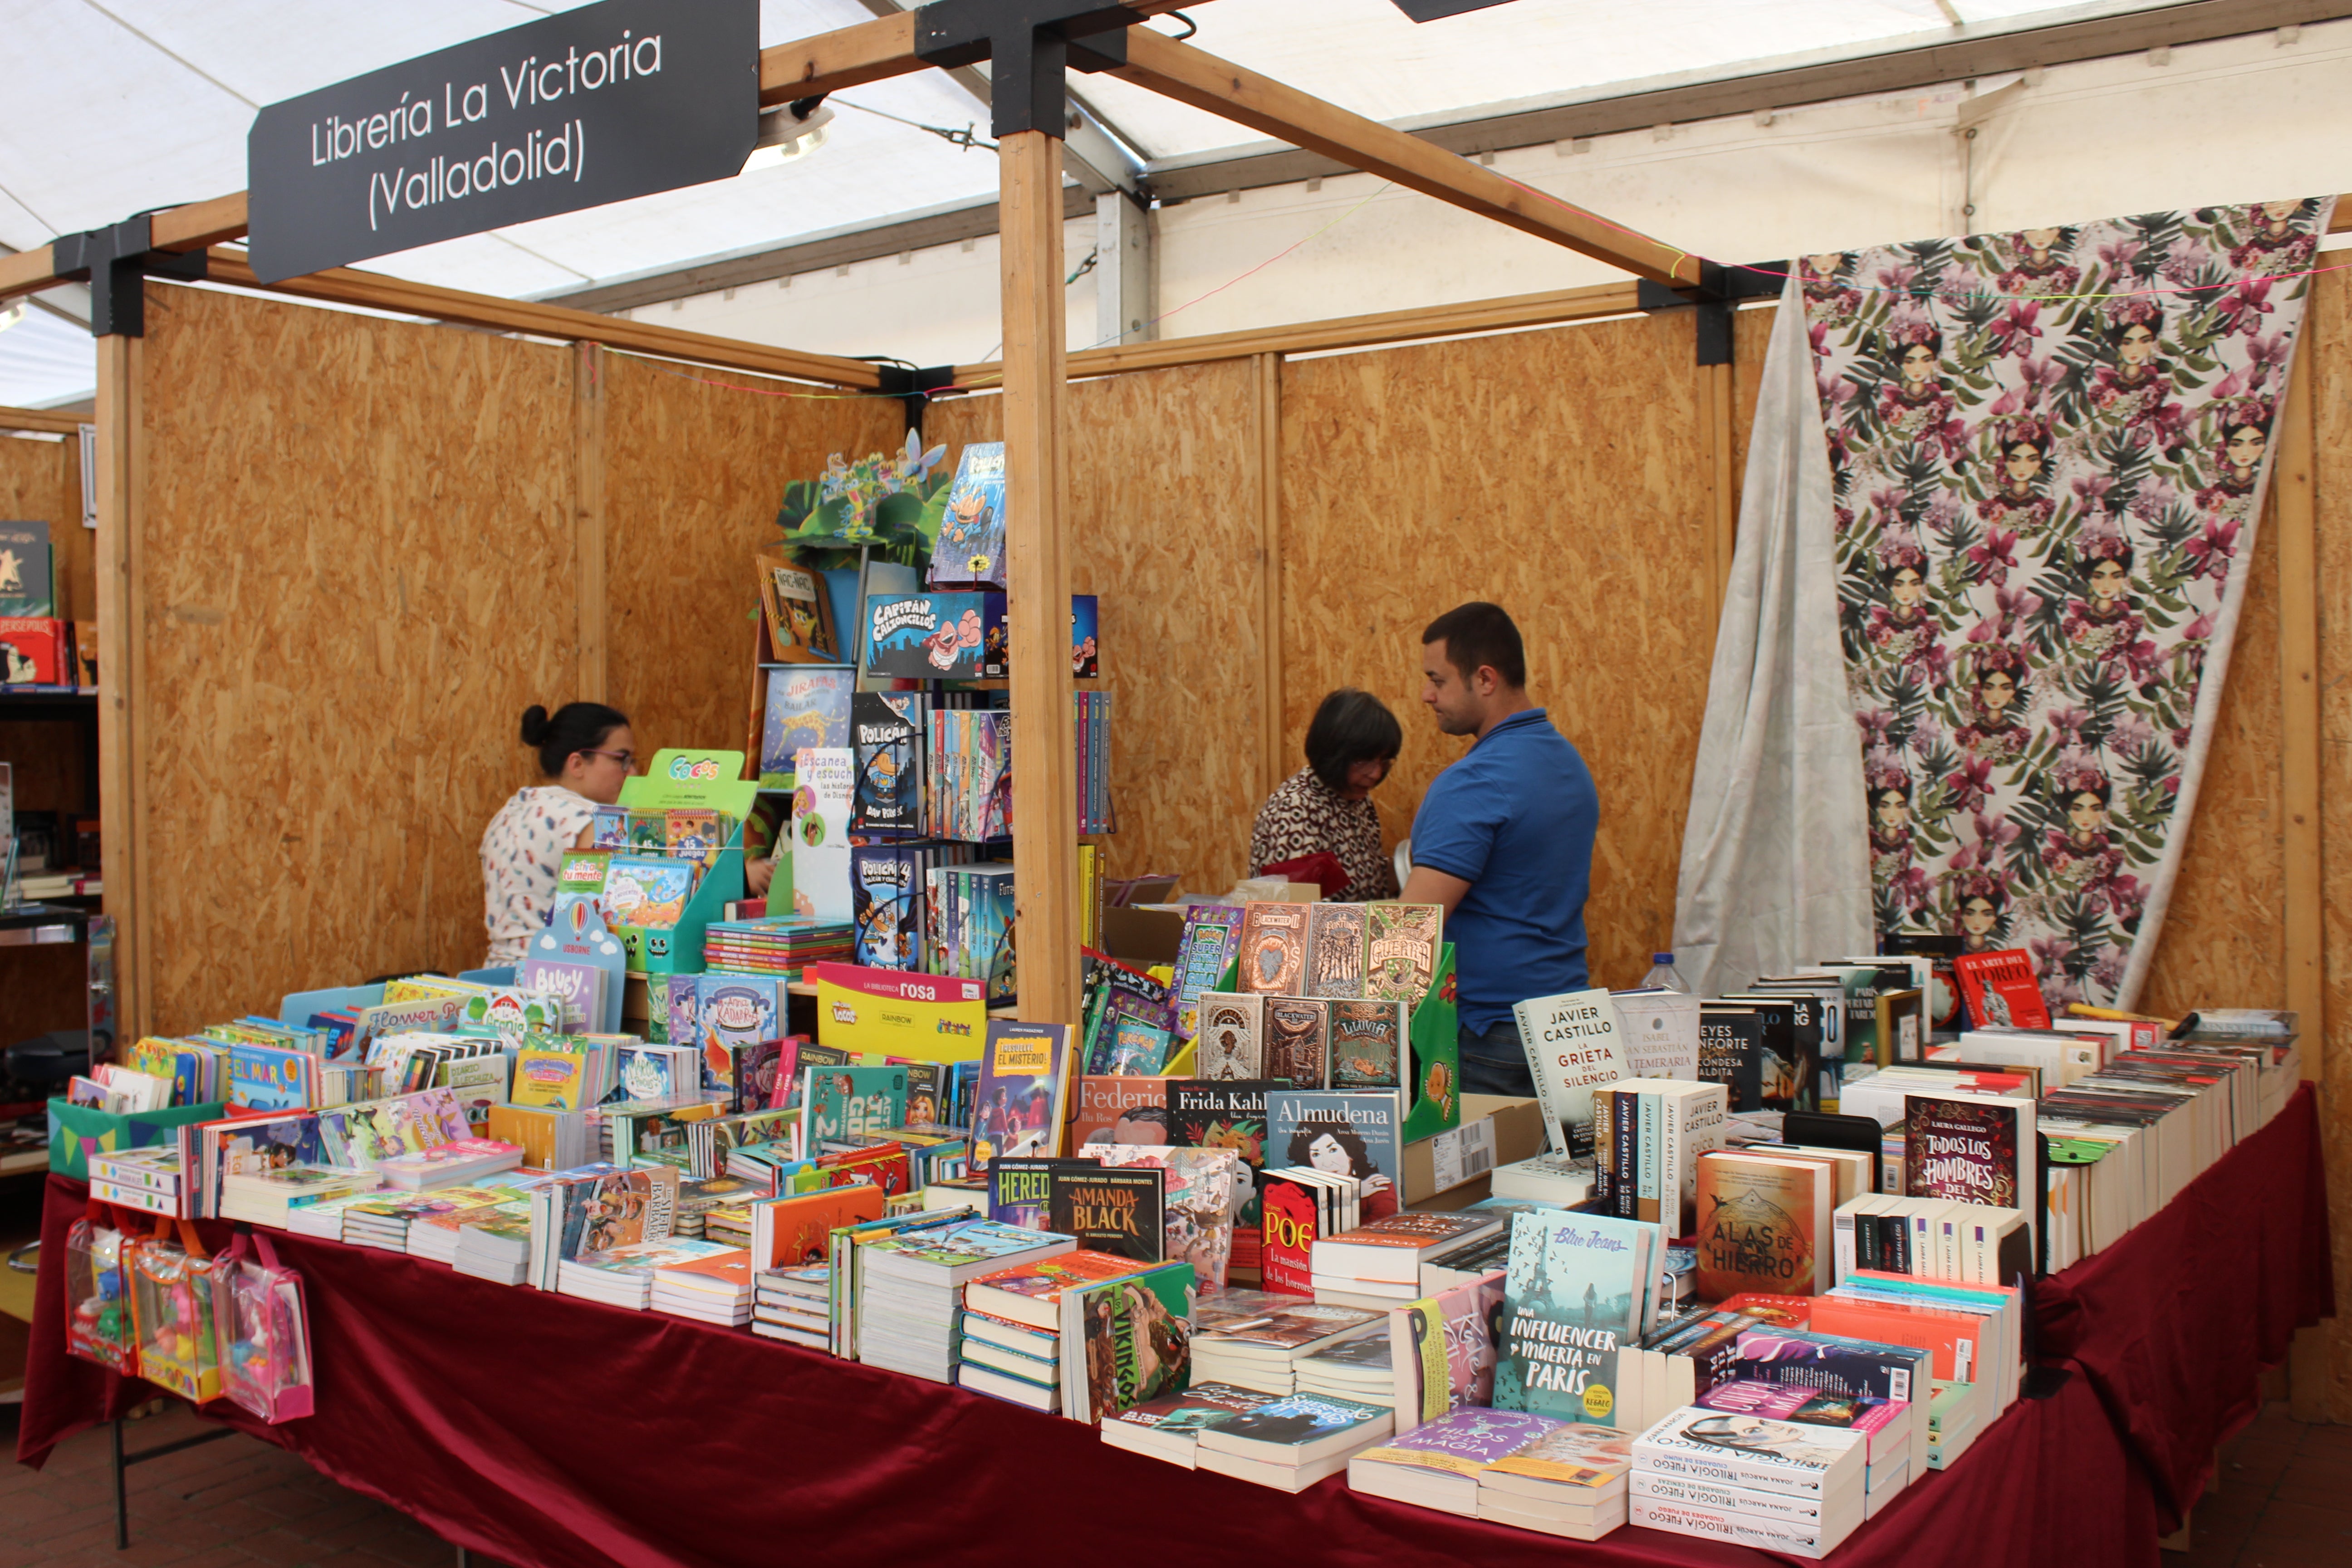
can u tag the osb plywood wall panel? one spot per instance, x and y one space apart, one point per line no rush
1165 530
358 559
2327 1381
693 473
40 481
1557 474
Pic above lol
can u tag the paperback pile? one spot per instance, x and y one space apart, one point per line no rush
1749 1480
437 1236
1170 1427
270 1197
146 1179
1011 1361
792 1304
383 1220
1378 1266
1506 1466
1359 1367
1293 1443
624 1277
1255 1340
910 1288
1028 1297
712 1289
774 944
460 1163
498 1248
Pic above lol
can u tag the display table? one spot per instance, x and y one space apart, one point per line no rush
546 1431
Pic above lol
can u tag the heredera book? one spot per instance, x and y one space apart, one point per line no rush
1574 1300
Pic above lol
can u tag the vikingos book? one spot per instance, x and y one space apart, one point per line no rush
970 547
1572 1305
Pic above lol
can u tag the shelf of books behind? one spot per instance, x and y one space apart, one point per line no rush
1744 1268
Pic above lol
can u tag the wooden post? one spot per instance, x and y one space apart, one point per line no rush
588 515
1715 391
2294 514
121 661
1037 579
1273 754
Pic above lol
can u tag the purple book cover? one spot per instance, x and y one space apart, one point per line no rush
1464 1440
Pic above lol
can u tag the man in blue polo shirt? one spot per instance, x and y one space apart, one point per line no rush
1504 840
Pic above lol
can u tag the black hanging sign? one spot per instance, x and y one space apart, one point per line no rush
596 105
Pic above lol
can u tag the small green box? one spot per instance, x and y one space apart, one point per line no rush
77 1131
1433 1099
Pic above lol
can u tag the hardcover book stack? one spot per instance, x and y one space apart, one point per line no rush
1028 1297
1749 1480
497 1249
623 1276
1360 1367
437 1236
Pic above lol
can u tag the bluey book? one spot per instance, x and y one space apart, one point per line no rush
970 551
1575 1297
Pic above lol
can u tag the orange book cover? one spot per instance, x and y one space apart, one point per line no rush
724 1270
799 1229
1045 1278
1763 1225
1956 1340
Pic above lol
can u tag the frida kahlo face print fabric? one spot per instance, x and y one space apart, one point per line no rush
2048 451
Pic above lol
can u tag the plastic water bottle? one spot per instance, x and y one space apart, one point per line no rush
1662 975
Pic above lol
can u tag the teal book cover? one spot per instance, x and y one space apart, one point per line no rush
853 1103
1572 1303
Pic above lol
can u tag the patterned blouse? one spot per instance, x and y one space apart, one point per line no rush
1305 817
519 851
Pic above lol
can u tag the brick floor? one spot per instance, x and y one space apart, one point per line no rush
235 1503
2284 1500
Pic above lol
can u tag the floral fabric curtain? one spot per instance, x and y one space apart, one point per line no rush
2048 451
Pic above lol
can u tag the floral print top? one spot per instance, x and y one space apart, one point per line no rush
519 851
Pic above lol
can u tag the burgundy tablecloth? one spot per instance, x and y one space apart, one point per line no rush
2175 1325
553 1432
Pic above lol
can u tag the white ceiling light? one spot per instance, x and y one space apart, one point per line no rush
11 314
786 138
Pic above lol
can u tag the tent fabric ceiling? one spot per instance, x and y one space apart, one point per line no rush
116 106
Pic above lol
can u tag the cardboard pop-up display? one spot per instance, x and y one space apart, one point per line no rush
688 780
900 1014
577 936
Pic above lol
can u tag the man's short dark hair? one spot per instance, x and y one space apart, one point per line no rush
1479 634
1351 727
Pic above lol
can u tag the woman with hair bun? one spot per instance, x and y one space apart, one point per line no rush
585 752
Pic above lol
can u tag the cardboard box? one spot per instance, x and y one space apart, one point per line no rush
1496 1130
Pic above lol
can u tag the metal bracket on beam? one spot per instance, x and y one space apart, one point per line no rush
115 262
1031 43
1719 291
914 388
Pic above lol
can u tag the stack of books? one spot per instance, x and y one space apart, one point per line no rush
1955 1413
268 1198
1747 1480
384 1219
713 1290
145 1179
1378 1266
1170 1427
459 1163
794 1304
624 1277
1360 1367
1569 1479
1029 1296
496 1249
911 1287
1556 1179
1293 1443
439 1236
324 1218
774 944
1885 1426
1261 1348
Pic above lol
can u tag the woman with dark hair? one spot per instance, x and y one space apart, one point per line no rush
2081 854
2245 439
1980 911
1915 403
585 751
2279 237
1901 629
2104 624
1996 692
2022 448
2135 384
1333 1145
1326 807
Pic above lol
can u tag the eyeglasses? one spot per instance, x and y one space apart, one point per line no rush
626 759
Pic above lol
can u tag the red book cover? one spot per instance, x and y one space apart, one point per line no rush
34 650
1286 1233
1963 1149
2001 990
885 1168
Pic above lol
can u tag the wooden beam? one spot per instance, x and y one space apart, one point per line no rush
847 57
1273 756
2295 516
121 660
588 516
1203 81
1037 585
1507 314
44 420
27 271
1715 391
200 223
348 285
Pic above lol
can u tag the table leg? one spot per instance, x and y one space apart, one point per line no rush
122 1495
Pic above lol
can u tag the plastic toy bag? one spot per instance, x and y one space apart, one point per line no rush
99 1326
265 1334
171 1303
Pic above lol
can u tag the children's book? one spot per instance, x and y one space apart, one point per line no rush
1021 1187
886 733
554 1074
1272 947
794 1229
807 708
1298 1040
971 546
1335 950
734 1012
26 582
1023 1091
1401 944
799 609
1573 1301
1229 1041
886 895
1211 939
648 891
265 1078
934 637
1120 1110
1130 1045
850 1102
579 988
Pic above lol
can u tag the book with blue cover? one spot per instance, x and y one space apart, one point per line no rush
1576 1300
886 903
850 1102
970 547
928 637
808 705
266 1078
